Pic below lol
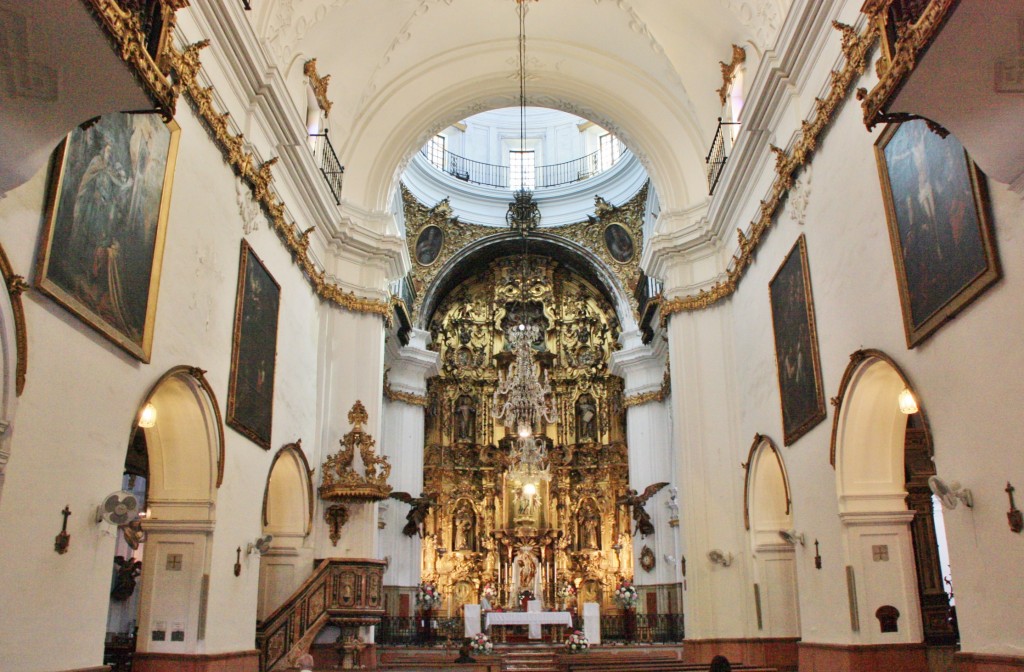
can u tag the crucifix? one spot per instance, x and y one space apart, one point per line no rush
63 539
1014 515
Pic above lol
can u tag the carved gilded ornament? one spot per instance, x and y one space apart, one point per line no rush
739 57
318 84
590 234
787 165
341 482
404 397
658 395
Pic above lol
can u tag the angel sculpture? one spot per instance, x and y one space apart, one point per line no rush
643 519
417 515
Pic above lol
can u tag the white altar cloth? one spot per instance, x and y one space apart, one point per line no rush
534 619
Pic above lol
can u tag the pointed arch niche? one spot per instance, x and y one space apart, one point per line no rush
288 516
185 458
768 511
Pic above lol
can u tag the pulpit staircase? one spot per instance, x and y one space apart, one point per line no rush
347 592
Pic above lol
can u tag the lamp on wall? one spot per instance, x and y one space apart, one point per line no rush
908 404
147 418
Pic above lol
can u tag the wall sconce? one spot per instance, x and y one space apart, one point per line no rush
950 494
147 418
908 404
792 537
718 557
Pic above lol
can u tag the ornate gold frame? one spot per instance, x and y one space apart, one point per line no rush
758 440
236 336
917 334
416 242
295 447
856 358
16 286
199 375
790 436
632 243
142 350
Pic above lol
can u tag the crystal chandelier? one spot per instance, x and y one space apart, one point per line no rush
521 400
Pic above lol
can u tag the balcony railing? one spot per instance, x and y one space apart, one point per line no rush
662 628
648 297
553 175
718 155
327 161
403 298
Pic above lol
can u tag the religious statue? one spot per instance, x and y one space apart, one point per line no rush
417 516
642 518
128 570
465 521
525 572
465 419
589 522
525 506
586 419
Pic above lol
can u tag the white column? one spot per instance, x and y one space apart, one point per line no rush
402 441
649 436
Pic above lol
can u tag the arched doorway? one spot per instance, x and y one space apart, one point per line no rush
13 358
768 512
174 464
288 517
883 458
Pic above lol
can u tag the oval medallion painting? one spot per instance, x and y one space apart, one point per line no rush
428 245
619 243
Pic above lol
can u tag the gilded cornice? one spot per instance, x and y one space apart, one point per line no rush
186 66
911 43
405 397
787 164
588 234
658 395
319 85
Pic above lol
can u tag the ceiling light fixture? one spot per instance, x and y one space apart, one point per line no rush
523 213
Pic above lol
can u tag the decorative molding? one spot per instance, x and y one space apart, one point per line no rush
739 57
658 395
186 66
405 397
895 66
319 85
294 448
340 481
16 286
759 440
787 164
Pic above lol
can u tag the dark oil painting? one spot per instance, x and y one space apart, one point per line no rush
619 243
428 245
796 345
253 350
101 252
937 211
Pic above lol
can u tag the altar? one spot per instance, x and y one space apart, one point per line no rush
532 619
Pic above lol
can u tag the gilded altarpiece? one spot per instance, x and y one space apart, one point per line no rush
484 527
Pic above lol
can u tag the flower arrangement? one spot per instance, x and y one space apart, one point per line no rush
626 595
525 594
565 590
577 642
481 644
489 591
427 595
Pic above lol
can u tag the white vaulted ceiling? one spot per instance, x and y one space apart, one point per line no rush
403 69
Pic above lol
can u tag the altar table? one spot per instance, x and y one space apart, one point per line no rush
533 619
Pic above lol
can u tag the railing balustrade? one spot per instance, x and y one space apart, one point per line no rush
328 163
398 630
648 295
718 155
554 175
659 628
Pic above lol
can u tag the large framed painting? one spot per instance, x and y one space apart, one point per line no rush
106 217
796 345
937 209
253 350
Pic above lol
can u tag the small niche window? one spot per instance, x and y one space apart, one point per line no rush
521 170
435 151
610 150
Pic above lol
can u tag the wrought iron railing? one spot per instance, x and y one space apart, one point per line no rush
554 175
661 628
403 298
648 296
718 155
327 161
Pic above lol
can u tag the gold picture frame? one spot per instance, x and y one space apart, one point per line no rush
796 345
254 350
102 246
936 207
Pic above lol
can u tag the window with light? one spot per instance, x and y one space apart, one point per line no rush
521 170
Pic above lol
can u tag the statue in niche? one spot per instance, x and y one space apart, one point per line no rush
463 535
589 524
586 419
525 506
525 572
465 419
